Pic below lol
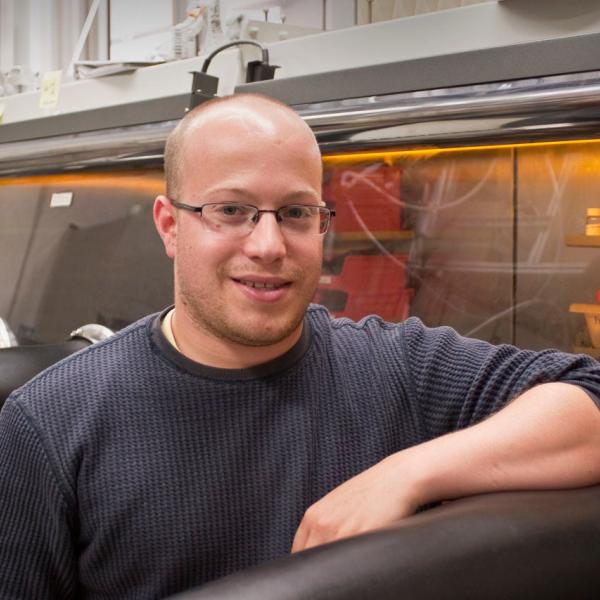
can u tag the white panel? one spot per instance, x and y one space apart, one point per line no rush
340 14
44 33
21 32
7 40
72 15
301 13
306 14
139 29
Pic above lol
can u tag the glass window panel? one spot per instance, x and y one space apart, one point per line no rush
557 183
475 238
428 233
98 260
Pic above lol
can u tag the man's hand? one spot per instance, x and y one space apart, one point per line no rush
373 499
547 438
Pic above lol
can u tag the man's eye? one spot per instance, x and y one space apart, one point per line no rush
297 212
232 210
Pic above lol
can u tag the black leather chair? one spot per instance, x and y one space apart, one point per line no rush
18 364
509 545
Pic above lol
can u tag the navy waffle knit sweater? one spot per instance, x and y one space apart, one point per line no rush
128 471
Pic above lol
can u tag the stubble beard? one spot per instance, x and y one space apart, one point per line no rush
211 318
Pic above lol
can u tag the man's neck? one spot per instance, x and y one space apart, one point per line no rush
207 349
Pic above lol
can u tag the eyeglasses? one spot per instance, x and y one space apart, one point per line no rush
238 220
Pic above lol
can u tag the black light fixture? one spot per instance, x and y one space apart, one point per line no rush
204 86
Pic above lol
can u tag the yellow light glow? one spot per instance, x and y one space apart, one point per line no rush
387 155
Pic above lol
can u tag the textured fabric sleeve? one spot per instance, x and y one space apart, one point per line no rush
37 554
459 381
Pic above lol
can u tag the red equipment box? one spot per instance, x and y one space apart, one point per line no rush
368 285
365 198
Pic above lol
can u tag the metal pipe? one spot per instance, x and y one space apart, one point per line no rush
124 145
509 103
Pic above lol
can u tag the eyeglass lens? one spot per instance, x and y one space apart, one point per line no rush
240 219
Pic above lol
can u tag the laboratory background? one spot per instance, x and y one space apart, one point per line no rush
460 145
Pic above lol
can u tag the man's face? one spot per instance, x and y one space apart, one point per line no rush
252 290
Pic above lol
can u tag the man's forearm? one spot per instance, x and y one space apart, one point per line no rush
547 438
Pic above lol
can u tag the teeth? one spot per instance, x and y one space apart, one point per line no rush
259 285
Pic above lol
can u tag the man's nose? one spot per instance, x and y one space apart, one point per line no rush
266 241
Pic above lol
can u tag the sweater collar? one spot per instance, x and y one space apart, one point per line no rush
273 367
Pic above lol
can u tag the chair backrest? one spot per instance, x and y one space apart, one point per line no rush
19 364
543 544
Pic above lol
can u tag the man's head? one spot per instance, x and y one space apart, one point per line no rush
250 289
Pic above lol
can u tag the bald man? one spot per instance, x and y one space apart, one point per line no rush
242 423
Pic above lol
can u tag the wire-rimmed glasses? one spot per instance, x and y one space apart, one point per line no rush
238 220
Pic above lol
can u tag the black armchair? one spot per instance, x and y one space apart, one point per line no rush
18 364
509 545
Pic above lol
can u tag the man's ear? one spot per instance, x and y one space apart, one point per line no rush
166 224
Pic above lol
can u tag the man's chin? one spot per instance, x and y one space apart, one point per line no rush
259 331
260 336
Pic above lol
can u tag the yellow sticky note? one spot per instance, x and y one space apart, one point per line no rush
50 89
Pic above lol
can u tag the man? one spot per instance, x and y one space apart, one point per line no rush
241 424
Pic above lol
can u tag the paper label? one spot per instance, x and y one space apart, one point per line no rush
61 199
50 89
2 109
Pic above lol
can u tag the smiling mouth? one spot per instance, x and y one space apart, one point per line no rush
262 285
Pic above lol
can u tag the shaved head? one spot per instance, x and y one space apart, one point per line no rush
251 112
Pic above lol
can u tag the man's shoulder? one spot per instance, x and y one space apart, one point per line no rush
322 320
377 337
371 332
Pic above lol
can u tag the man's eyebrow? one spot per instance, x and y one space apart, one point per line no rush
229 190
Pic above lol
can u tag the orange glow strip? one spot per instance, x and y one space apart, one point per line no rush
387 155
148 182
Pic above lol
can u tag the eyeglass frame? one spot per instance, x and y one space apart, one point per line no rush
275 211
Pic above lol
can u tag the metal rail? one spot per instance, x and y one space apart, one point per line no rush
552 108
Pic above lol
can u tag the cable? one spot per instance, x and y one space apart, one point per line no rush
265 52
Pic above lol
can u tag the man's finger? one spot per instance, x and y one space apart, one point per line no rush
299 539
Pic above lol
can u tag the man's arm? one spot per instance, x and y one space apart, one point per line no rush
37 554
548 437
